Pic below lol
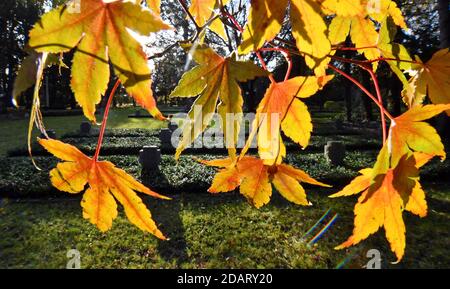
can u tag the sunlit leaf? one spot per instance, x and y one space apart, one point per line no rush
100 34
106 183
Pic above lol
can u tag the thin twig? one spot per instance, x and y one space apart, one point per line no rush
186 10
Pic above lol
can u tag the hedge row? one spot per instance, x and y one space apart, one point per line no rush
18 177
117 132
130 142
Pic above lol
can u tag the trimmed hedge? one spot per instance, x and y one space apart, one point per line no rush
18 177
129 142
117 132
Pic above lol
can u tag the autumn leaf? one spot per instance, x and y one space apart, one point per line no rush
264 23
154 5
203 11
26 75
409 133
255 179
381 9
391 50
106 184
310 32
100 34
432 79
281 108
386 193
356 18
308 28
344 8
215 78
393 184
339 29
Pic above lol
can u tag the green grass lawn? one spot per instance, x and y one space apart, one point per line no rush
14 132
208 231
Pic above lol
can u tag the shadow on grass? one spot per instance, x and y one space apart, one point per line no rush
167 215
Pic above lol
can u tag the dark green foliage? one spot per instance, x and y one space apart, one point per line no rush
18 177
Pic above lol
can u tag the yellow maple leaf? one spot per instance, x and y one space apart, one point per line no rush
106 183
431 79
339 29
391 50
409 133
97 27
264 23
386 193
203 11
392 185
215 78
154 5
282 108
308 28
344 8
356 18
310 32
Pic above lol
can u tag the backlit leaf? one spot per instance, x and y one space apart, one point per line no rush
255 179
409 133
215 78
282 108
100 33
105 184
432 79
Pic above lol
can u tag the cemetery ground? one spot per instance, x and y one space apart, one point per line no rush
39 224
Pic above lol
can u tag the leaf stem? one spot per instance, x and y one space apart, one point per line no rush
380 100
286 55
342 48
104 120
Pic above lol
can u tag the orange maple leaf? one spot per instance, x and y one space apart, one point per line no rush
386 193
255 179
392 185
106 183
282 108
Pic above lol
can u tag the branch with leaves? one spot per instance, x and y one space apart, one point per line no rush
99 35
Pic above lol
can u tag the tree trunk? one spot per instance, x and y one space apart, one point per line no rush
444 23
366 100
396 94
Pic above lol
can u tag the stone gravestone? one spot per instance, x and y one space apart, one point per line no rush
335 152
173 126
150 158
85 127
51 134
165 137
